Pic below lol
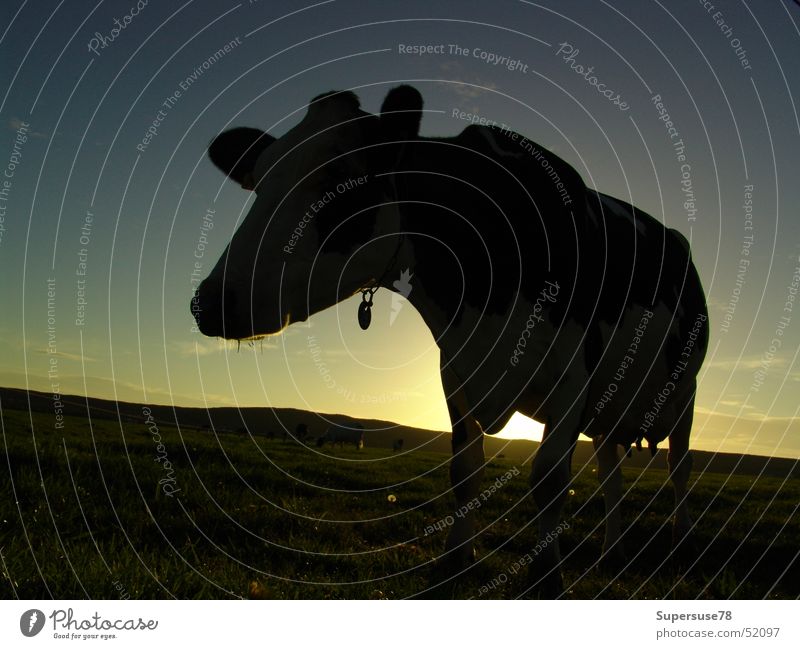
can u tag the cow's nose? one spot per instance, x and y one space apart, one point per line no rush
212 308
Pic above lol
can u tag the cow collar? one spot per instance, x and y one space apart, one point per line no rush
365 308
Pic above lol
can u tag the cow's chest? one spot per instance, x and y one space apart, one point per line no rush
524 361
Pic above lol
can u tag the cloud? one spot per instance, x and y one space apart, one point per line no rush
734 403
745 363
716 305
15 123
466 89
189 349
451 67
753 432
106 388
757 416
68 356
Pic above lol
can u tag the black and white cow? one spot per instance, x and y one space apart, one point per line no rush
545 297
342 434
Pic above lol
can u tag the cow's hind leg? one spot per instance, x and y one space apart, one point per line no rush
550 479
679 460
609 475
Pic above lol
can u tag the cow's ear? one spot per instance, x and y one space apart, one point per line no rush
235 151
401 113
333 104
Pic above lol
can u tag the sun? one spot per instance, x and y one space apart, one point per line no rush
521 427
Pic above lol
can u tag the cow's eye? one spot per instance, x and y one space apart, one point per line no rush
337 160
335 167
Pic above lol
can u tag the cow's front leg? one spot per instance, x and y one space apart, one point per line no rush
466 474
550 479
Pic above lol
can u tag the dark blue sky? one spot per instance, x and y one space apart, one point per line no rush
727 78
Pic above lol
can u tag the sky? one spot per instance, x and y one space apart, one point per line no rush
106 193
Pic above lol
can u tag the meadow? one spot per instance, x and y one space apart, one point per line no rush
98 510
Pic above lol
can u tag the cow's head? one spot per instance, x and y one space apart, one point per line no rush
324 222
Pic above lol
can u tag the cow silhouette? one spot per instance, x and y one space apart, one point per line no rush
544 296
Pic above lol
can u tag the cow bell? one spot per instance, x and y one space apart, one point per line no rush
364 309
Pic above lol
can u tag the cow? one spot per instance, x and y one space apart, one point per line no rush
300 433
544 296
342 434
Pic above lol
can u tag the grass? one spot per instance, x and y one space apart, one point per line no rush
83 515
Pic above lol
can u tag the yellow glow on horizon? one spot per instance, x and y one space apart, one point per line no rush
521 427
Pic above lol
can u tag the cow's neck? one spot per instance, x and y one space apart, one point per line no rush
475 300
437 256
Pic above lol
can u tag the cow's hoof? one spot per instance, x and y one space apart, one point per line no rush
544 583
446 573
439 588
685 549
613 561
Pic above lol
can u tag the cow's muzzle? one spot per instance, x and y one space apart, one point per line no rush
214 311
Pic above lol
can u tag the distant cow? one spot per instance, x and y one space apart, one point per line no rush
397 445
343 434
300 433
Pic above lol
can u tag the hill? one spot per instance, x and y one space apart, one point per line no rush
380 434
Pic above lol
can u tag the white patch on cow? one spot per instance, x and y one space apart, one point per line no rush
403 288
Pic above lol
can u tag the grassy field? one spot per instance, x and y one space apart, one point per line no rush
260 517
